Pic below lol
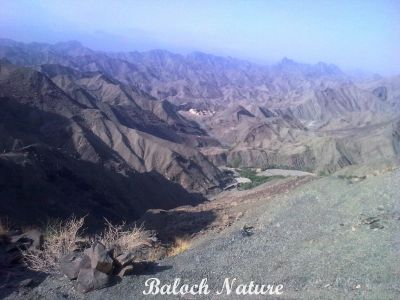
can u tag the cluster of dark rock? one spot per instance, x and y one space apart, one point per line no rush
91 266
14 242
373 222
98 267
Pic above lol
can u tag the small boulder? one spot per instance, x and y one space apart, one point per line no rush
71 263
376 225
91 279
124 259
370 220
100 258
247 230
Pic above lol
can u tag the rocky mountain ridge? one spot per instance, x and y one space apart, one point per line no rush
83 132
179 117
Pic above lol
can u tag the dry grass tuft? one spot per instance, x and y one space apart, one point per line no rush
63 237
120 239
180 245
60 239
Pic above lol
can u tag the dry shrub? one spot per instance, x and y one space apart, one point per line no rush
180 245
60 239
122 240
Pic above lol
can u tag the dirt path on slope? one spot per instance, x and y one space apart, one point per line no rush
192 222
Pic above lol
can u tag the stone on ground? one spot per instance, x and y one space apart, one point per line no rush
100 258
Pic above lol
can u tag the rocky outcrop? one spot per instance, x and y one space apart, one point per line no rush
13 243
98 267
71 263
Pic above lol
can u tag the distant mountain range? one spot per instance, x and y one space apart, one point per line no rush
114 134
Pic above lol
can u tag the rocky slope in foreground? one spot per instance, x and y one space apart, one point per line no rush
327 239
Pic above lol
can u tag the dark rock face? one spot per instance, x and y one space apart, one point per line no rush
124 259
14 242
91 279
96 267
71 263
100 258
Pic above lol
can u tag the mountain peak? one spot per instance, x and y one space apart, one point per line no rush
287 61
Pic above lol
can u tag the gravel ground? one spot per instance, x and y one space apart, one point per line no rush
328 239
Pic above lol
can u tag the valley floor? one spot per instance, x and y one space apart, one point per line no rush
328 238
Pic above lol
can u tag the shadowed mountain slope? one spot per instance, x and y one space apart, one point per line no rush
181 116
82 147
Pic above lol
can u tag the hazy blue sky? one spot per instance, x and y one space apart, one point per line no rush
353 34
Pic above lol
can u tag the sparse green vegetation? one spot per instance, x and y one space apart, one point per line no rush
322 173
255 180
235 163
352 178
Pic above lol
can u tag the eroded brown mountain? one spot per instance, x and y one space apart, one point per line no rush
177 118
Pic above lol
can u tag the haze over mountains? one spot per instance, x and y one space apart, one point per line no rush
114 134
